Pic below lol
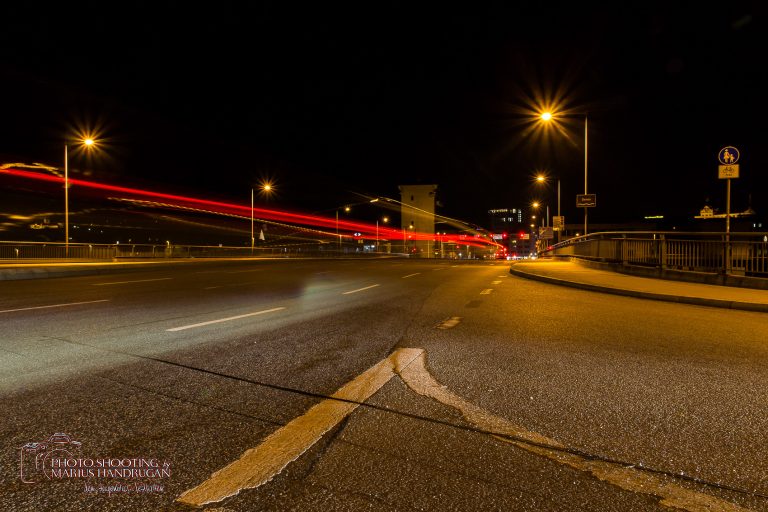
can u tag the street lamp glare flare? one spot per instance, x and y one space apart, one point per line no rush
546 116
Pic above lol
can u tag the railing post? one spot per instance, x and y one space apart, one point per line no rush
662 251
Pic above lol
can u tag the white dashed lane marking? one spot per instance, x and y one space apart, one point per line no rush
361 289
53 306
486 291
136 281
450 323
201 324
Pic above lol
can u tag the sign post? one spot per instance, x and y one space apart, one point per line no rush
728 169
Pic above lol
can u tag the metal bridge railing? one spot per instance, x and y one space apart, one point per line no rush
739 253
101 252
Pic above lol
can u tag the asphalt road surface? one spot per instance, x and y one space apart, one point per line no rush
373 385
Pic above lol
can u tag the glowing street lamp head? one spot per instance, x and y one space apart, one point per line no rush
266 188
546 116
535 204
385 220
88 142
541 178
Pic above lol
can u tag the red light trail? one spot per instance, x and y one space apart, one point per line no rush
368 230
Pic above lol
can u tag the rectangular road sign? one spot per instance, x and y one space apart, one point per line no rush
545 233
725 172
558 222
586 200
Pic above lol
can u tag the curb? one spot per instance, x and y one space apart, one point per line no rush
698 301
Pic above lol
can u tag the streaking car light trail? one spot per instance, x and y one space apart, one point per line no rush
233 209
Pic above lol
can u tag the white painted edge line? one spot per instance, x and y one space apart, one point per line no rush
201 324
486 291
361 289
410 275
136 281
259 465
54 306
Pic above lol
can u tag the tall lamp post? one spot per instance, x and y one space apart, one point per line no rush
266 188
535 206
346 209
543 179
87 143
549 116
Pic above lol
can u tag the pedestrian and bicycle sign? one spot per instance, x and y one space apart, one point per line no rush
729 155
729 167
586 200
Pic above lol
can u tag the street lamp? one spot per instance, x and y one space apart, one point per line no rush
384 220
346 209
543 179
87 143
549 116
266 189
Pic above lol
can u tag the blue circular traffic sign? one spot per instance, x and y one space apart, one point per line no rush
729 155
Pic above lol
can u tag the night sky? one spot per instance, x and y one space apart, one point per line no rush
330 99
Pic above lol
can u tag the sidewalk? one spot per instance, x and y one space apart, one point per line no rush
569 273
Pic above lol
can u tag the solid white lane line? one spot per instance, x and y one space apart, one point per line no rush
136 281
486 291
417 377
361 289
242 271
410 275
54 306
259 465
201 324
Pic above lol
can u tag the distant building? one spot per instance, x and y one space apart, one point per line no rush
710 219
510 227
417 214
505 219
708 213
